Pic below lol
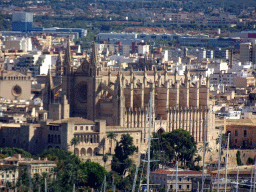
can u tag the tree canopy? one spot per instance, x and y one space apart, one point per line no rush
10 151
95 173
179 144
124 148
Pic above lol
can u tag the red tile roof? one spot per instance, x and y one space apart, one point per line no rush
161 171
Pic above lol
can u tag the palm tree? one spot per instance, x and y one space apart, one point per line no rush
111 135
74 142
197 159
105 158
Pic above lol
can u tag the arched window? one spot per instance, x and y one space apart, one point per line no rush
49 138
245 133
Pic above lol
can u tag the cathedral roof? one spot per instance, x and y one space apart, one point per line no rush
139 73
77 121
11 73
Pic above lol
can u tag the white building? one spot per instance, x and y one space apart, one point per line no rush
218 66
143 49
17 43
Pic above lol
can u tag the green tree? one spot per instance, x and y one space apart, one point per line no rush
74 142
95 173
250 161
112 136
180 144
10 151
197 159
124 148
67 172
105 158
238 158
157 153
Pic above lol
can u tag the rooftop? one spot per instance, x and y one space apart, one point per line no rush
248 122
186 172
77 121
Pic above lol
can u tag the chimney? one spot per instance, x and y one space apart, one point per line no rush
45 159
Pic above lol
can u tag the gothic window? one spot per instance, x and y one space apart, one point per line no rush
16 90
51 138
81 91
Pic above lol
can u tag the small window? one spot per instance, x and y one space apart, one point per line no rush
236 133
81 127
179 186
171 186
75 128
50 127
92 128
187 186
235 140
137 141
245 133
180 179
86 128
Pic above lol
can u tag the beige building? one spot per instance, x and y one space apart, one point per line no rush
121 98
14 85
8 172
38 167
242 133
167 179
243 82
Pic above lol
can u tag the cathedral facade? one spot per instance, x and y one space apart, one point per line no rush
121 98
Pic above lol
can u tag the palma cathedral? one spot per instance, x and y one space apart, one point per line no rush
121 98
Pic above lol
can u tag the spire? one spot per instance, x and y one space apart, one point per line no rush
68 57
49 79
94 55
59 60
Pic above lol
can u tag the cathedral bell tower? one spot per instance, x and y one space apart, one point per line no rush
83 90
67 72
